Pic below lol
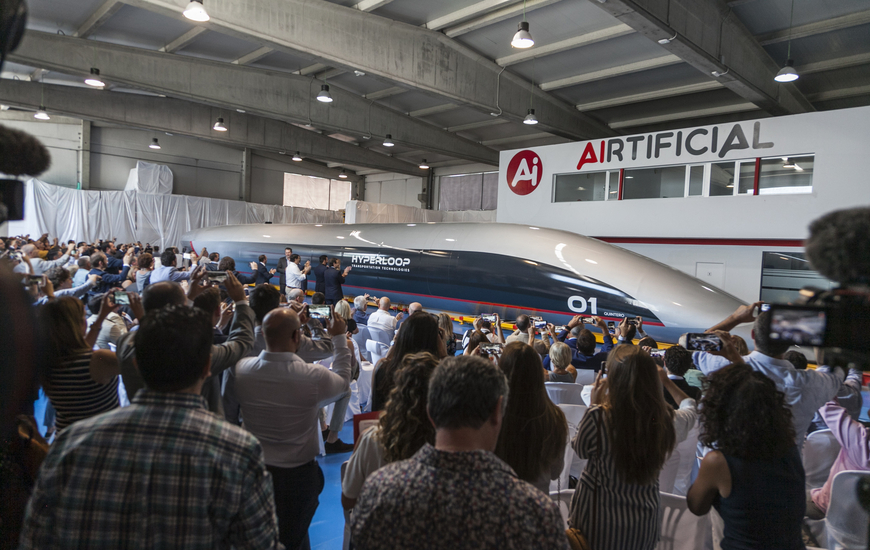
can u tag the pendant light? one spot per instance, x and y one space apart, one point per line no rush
523 38
219 125
94 80
343 174
41 114
423 165
297 157
324 96
787 73
195 11
154 144
388 141
530 118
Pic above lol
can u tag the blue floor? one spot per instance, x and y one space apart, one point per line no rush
327 528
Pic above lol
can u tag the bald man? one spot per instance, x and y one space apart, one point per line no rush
281 397
381 319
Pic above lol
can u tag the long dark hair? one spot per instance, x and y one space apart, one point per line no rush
417 334
405 425
744 415
534 431
640 423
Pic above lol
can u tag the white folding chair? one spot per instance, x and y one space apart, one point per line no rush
360 339
364 383
573 465
820 451
563 501
681 529
381 336
586 394
377 350
345 545
687 450
846 522
669 472
564 392
585 376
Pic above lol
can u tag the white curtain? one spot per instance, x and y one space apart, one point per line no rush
130 216
154 179
372 212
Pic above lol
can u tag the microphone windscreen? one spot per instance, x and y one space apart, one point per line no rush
22 154
839 245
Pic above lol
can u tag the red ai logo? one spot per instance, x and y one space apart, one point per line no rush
524 172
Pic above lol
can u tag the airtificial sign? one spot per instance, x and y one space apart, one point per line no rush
684 144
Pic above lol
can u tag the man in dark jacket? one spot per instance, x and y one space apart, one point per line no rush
108 280
283 261
333 278
264 274
319 270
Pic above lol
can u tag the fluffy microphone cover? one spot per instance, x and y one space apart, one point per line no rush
839 245
21 154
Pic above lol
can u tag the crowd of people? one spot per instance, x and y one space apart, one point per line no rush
187 410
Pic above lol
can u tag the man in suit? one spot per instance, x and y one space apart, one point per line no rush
264 275
678 360
333 278
318 270
282 268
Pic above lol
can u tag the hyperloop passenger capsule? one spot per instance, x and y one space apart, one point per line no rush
473 268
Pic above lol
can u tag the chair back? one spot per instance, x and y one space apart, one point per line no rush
572 464
377 350
360 338
687 452
563 500
585 376
846 522
681 529
820 451
668 475
364 383
564 392
381 336
586 395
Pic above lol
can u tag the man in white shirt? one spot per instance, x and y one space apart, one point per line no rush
294 274
381 319
40 266
281 397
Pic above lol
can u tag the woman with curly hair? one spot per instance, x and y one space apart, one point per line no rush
627 435
403 429
534 431
754 478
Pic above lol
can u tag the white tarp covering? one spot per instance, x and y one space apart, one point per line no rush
154 179
157 219
372 212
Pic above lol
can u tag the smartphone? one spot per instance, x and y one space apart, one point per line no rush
321 313
186 256
703 342
488 317
588 320
35 280
657 353
541 324
763 307
535 318
136 250
611 327
560 328
631 321
216 276
798 325
121 298
491 350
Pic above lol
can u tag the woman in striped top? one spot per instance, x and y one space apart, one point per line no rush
627 435
79 382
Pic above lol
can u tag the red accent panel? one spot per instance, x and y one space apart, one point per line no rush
757 174
621 179
706 242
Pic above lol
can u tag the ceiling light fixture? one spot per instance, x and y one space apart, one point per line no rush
195 11
664 41
423 165
787 73
240 110
94 79
388 141
154 144
296 157
717 74
41 114
523 38
343 174
324 96
530 118
219 125
359 73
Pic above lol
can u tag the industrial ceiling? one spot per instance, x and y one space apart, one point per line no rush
439 77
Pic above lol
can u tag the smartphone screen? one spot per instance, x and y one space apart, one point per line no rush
611 327
703 342
121 298
657 353
491 350
801 326
217 276
541 324
488 317
588 320
186 256
321 313
35 280
631 321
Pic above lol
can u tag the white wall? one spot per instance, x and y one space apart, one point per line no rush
390 188
61 136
